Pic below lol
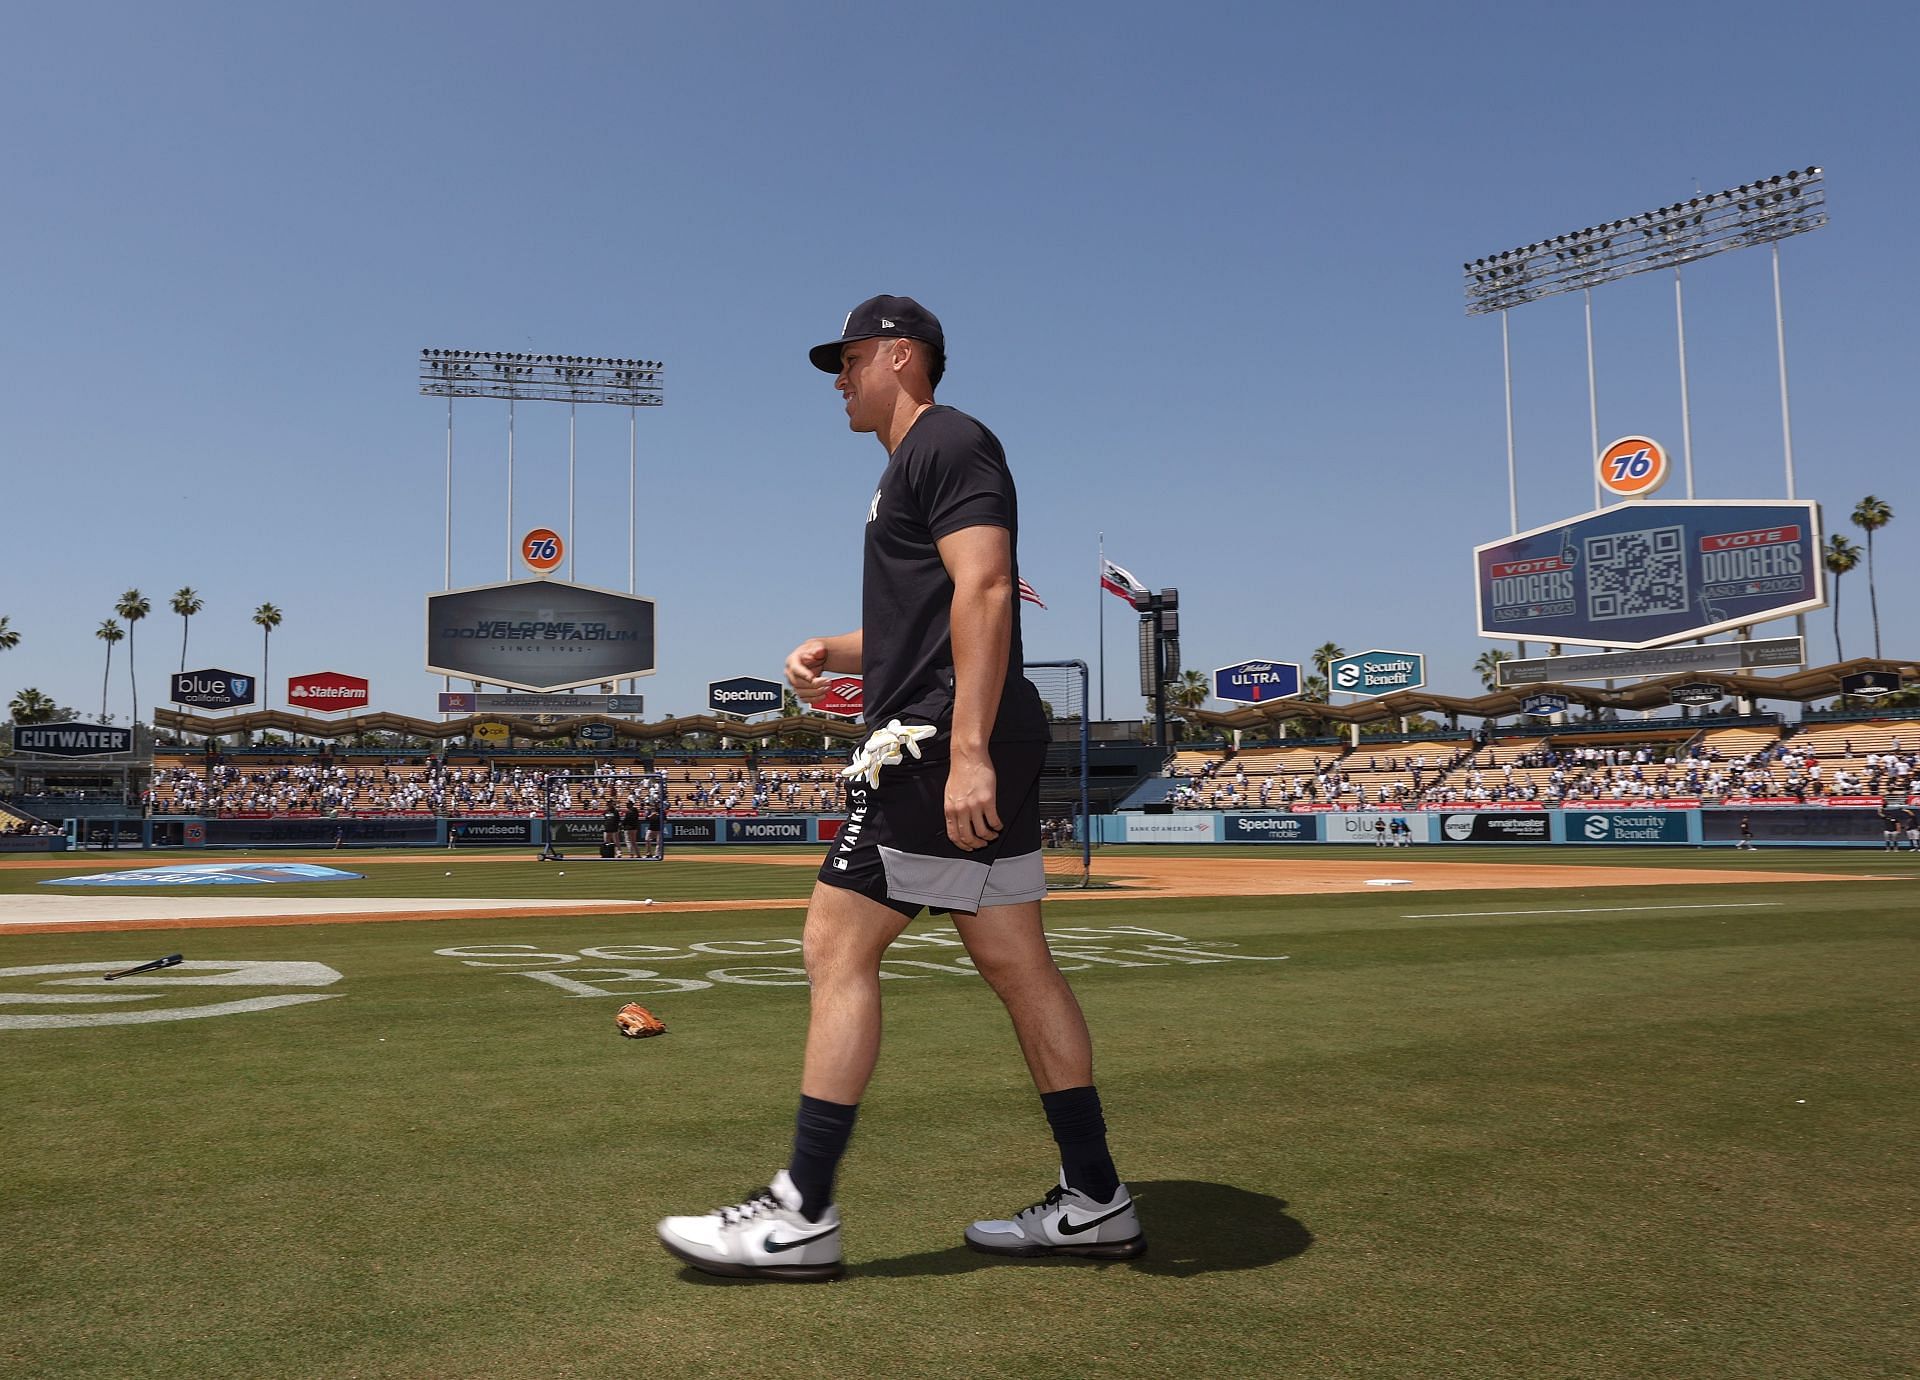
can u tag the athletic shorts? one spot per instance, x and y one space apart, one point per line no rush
894 847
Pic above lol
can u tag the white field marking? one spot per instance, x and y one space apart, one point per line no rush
205 973
1587 910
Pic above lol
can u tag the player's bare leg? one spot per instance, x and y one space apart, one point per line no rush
846 936
1009 947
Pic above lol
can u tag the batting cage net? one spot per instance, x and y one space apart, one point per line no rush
613 814
1066 817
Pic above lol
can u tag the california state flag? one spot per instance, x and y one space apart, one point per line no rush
1118 580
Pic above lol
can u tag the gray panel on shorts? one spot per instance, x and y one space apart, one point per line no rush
949 883
1013 880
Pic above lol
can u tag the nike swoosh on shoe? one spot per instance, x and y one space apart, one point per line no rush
777 1246
1067 1228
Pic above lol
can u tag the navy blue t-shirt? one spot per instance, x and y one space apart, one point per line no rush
947 474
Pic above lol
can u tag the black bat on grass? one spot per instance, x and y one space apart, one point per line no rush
166 962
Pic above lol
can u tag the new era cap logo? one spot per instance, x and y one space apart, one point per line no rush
885 324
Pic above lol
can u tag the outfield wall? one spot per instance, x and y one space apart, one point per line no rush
1700 826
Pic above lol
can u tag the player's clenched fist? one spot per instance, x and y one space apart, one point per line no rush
805 667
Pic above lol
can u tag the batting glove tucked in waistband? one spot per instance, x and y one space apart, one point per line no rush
883 749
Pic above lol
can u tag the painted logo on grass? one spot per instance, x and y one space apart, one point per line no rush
212 874
85 985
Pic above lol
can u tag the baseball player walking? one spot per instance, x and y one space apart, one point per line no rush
943 813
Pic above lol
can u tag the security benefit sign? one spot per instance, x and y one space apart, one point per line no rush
539 634
72 740
1378 673
1646 574
1250 682
743 695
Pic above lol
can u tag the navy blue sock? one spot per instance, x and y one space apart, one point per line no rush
1081 1133
820 1135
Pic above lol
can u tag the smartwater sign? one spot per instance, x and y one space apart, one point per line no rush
72 740
1627 826
1645 574
743 695
1250 682
1378 673
212 689
1496 827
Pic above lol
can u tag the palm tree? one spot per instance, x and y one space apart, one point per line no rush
1190 691
1325 655
1314 688
32 707
186 603
108 632
133 606
1840 556
9 637
1870 514
268 617
1488 667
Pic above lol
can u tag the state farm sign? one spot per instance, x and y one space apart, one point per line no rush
328 692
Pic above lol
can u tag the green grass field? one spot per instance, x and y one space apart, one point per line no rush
1658 1131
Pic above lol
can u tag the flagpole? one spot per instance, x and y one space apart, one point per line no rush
1099 594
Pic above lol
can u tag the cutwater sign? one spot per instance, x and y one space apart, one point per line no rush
1250 682
743 695
212 689
1378 673
72 740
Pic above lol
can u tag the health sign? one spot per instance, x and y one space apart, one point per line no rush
1250 682
1378 673
1647 574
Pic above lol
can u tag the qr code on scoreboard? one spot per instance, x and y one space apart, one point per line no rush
1637 574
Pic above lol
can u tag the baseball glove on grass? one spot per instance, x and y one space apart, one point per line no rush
636 1022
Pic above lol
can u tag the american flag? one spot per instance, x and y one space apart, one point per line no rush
1028 593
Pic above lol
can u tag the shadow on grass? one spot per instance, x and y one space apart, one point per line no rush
1193 1228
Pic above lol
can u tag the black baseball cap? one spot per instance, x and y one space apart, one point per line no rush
878 316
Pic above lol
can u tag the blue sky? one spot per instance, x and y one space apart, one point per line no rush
1199 269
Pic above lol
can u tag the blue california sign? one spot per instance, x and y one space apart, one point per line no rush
1250 682
1378 673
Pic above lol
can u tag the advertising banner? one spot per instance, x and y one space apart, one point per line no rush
1192 828
1697 694
1250 682
482 833
468 702
353 833
1378 673
1517 826
1270 828
1870 684
596 733
575 830
72 740
1806 826
1645 574
327 692
213 688
1627 826
490 733
772 829
1360 826
743 695
540 634
843 699
1762 653
693 830
1543 706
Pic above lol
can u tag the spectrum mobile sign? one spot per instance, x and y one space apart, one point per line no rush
1250 682
1646 574
1378 673
327 692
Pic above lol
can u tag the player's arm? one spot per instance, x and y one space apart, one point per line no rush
979 561
809 664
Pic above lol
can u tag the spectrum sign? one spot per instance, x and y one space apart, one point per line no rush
1378 673
327 692
1250 682
1645 574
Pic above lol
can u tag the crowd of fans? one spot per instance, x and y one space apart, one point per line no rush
1500 774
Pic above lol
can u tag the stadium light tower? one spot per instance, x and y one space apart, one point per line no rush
1754 213
571 379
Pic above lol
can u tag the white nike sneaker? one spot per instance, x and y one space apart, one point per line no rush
764 1237
1066 1222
